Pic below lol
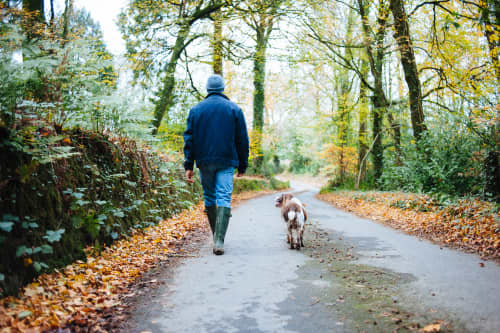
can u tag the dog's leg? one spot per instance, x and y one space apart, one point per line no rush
295 238
299 241
302 236
290 237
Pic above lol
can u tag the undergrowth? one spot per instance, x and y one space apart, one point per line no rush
81 188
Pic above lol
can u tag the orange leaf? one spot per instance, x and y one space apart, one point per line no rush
432 328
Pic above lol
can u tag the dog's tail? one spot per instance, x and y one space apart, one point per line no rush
291 215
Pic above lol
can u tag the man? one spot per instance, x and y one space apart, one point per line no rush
216 138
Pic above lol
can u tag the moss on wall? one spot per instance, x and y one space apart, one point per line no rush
92 198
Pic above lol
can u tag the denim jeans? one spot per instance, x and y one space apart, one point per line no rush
217 182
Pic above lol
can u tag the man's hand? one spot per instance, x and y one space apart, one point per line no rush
189 176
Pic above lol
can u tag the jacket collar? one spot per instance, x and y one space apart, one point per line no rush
218 94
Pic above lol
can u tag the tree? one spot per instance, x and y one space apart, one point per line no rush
343 98
490 21
261 17
34 18
489 17
374 49
68 10
470 76
376 58
217 47
402 35
362 132
144 19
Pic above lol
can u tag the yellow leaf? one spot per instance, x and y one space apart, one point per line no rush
27 262
432 328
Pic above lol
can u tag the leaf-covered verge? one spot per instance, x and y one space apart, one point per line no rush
66 189
87 290
83 296
468 224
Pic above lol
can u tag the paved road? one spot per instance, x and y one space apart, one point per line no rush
260 285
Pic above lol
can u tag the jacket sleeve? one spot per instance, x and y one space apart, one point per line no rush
242 145
188 145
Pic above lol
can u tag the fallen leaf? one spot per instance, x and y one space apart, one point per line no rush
432 328
89 293
24 314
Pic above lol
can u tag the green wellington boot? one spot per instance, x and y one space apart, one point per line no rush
223 215
211 212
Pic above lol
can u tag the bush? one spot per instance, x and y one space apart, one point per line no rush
447 162
254 184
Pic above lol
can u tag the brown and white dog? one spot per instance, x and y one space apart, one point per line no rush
295 216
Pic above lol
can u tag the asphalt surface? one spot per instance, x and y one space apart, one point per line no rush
260 285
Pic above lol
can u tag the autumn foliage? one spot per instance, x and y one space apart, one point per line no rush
86 294
471 225
79 294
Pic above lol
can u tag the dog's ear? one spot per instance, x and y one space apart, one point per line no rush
278 201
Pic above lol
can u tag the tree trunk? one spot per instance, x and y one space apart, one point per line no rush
378 149
68 10
343 122
492 176
491 164
363 113
167 93
379 99
343 103
259 76
490 32
396 133
52 14
218 56
402 34
379 106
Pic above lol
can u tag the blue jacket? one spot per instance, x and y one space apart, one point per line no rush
216 133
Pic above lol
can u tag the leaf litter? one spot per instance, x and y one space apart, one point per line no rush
84 296
468 224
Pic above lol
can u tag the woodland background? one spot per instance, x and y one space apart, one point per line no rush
391 95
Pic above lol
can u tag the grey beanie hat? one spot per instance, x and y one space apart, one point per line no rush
215 83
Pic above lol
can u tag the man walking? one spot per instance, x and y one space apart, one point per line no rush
216 138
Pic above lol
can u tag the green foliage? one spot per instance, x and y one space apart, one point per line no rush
255 184
170 136
6 226
71 84
54 235
300 163
447 162
91 198
279 185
